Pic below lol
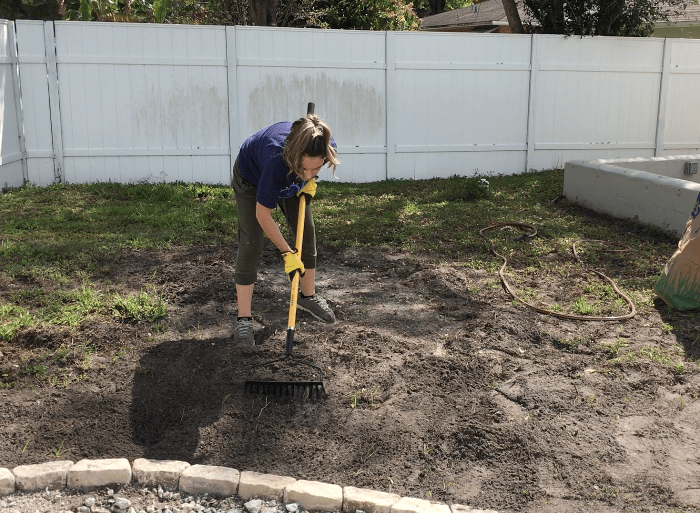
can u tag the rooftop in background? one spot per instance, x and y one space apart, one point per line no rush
489 16
686 25
691 16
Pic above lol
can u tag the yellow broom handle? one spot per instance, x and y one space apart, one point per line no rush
291 321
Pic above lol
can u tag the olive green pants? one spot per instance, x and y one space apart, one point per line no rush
250 234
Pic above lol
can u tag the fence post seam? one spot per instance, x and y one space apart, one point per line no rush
663 93
18 101
390 86
54 106
531 107
233 117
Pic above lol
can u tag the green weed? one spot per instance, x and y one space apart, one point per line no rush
571 344
55 452
86 356
371 451
4 383
613 348
582 307
61 353
37 370
362 395
122 351
426 450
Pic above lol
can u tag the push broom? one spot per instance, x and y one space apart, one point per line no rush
295 389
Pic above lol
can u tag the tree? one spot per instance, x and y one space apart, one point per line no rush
367 14
112 10
601 17
263 12
335 14
29 10
513 16
436 6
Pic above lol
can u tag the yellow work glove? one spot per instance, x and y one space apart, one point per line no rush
309 189
293 264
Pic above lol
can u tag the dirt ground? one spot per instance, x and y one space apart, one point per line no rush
439 387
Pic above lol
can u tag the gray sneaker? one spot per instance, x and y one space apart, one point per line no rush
317 307
243 332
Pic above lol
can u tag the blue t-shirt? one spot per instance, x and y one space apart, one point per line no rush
262 165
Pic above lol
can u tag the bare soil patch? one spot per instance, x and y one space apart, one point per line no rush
440 387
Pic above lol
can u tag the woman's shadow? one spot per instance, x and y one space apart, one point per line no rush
179 387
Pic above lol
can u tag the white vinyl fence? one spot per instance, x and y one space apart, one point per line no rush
138 102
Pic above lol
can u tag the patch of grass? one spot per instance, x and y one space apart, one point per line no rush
671 359
12 318
140 307
60 230
54 237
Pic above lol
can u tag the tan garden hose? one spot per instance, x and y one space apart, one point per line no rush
532 232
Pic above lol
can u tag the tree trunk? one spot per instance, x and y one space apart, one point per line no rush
263 13
436 6
511 8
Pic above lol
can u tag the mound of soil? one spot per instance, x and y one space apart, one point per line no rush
439 387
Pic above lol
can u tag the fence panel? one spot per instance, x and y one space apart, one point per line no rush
342 72
461 104
682 120
595 98
35 102
11 172
143 102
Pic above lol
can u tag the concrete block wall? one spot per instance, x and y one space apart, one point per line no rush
622 188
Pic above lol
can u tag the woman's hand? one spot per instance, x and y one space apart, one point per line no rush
309 189
293 264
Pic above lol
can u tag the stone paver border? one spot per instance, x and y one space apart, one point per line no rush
217 481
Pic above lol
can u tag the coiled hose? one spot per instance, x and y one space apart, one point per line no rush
532 231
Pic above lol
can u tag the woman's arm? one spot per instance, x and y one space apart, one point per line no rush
269 226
